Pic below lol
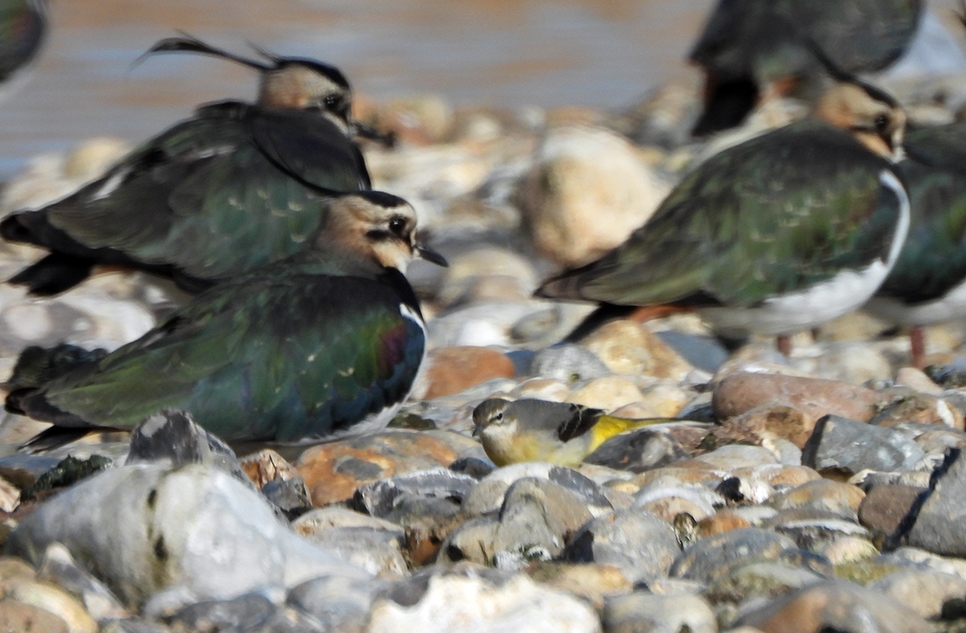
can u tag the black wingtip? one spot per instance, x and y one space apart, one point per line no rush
54 274
727 105
52 439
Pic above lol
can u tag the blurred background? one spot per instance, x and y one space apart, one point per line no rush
501 53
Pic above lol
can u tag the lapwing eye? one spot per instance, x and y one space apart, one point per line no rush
881 122
332 102
397 225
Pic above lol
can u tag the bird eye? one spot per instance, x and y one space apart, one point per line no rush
397 225
332 102
498 417
881 122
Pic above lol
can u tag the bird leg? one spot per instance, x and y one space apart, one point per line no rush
917 346
783 342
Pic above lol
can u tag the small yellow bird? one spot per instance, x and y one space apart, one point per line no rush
531 430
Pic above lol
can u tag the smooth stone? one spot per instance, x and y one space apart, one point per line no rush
809 528
834 606
848 549
917 380
916 558
25 618
766 422
884 507
638 451
380 498
667 498
720 522
467 598
758 580
823 495
639 611
468 273
909 406
543 389
702 352
133 625
590 581
454 369
569 364
379 552
736 456
711 557
850 362
333 471
740 392
59 567
194 532
640 544
848 446
52 599
245 612
536 520
608 394
489 494
629 348
938 526
923 591
581 174
172 437
336 603
321 519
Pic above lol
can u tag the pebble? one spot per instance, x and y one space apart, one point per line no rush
627 347
640 544
580 174
709 558
640 611
937 526
849 447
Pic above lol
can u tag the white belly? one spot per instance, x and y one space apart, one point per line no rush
841 294
950 306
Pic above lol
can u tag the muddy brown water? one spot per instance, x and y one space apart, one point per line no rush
601 53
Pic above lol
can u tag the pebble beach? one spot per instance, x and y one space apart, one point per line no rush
825 491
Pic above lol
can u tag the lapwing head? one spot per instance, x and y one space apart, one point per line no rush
286 82
378 226
869 114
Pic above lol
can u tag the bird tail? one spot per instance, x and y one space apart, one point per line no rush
37 365
608 426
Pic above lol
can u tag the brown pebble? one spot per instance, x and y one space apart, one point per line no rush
814 397
884 507
333 471
454 369
25 618
266 466
767 421
723 521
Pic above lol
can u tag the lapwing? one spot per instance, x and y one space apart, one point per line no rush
205 199
754 49
23 29
324 343
778 234
928 283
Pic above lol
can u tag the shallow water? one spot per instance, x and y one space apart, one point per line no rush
602 53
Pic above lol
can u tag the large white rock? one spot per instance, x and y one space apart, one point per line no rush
194 532
586 193
464 600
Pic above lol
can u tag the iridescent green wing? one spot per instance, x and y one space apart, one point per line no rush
933 259
207 198
281 355
774 215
